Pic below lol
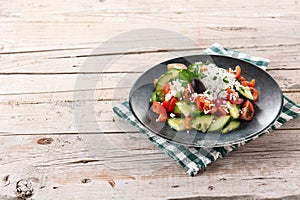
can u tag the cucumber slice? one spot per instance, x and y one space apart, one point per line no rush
231 126
157 96
219 123
233 110
202 123
246 92
185 108
172 73
177 123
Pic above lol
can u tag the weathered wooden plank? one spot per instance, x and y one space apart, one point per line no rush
35 33
65 165
34 25
70 117
33 84
46 63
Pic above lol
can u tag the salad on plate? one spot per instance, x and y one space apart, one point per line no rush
204 97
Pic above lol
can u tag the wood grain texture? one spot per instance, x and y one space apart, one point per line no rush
48 47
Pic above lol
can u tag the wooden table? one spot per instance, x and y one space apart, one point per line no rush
56 55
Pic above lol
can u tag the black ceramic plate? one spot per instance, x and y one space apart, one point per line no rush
267 108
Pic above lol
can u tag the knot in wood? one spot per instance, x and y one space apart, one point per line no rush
45 141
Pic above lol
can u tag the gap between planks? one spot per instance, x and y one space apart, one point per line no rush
200 48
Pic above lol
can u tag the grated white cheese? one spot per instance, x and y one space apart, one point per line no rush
172 115
175 87
217 80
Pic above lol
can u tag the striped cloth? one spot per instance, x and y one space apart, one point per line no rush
194 159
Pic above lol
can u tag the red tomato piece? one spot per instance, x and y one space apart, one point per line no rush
248 83
172 104
166 104
233 97
255 93
238 71
252 83
200 102
160 110
247 111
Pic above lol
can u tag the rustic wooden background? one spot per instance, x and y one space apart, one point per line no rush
43 46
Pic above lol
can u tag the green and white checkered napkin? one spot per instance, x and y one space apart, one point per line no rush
194 159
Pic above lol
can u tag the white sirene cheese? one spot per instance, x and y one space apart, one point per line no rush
217 80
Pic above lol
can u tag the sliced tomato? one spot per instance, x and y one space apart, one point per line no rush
255 93
247 111
172 104
160 110
166 88
238 71
166 104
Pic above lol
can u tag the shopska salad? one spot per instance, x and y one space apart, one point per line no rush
204 97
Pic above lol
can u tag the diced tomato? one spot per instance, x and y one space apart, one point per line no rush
200 102
166 88
188 120
172 104
166 104
238 71
255 93
247 111
160 110
206 105
248 83
233 97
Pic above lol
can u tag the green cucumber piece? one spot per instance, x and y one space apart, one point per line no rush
219 123
246 92
177 123
185 108
157 96
172 73
202 122
233 110
234 124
